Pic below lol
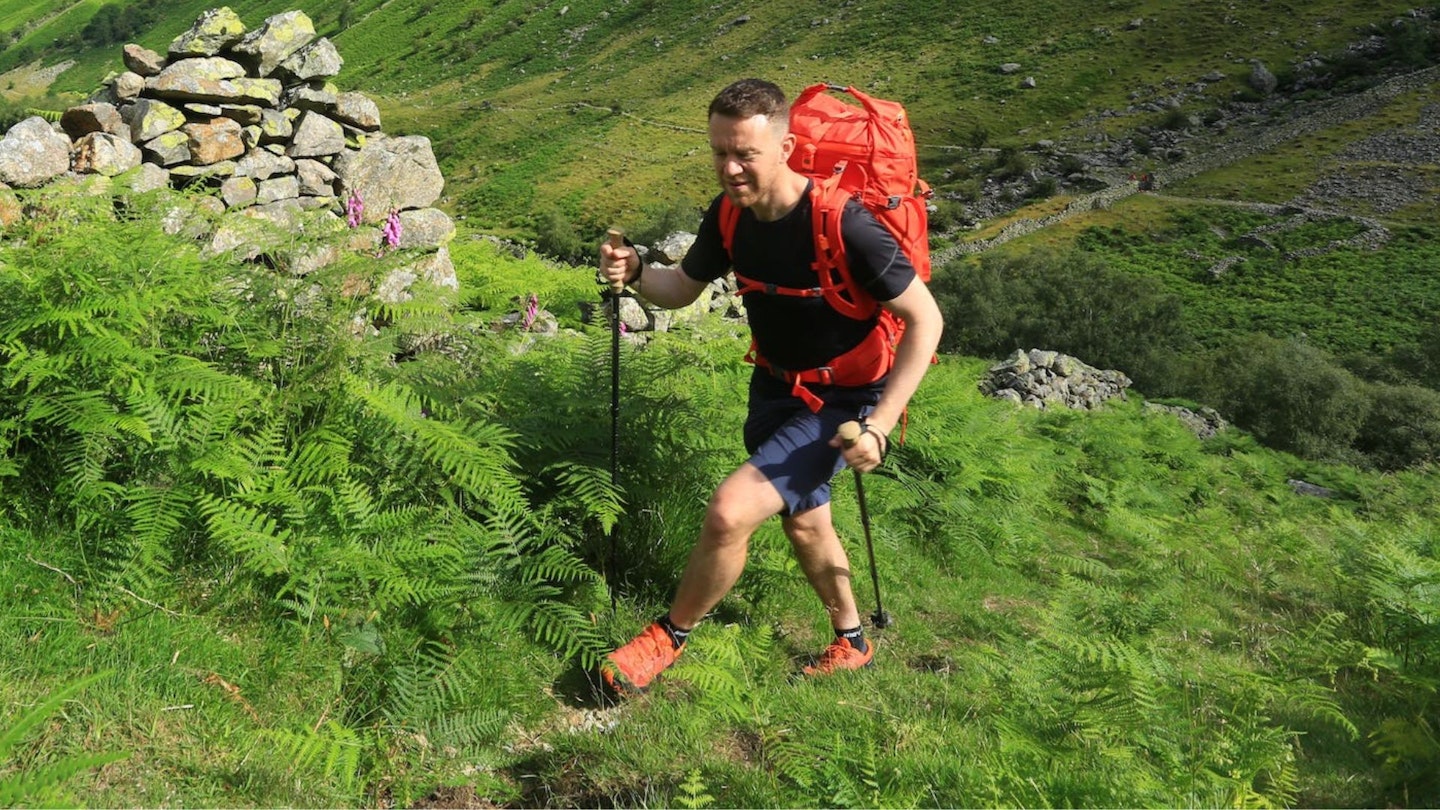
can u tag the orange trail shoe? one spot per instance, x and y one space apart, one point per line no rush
842 655
630 669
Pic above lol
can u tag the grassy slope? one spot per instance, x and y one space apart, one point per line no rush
1211 564
1105 586
501 86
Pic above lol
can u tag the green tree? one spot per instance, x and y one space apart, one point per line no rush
1402 428
1292 395
1067 301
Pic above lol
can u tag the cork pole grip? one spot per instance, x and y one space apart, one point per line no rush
617 240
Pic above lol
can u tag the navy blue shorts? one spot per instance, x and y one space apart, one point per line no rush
790 445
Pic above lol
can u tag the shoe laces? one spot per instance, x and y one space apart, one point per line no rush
835 654
650 652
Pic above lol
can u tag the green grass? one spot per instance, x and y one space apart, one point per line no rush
490 83
1349 301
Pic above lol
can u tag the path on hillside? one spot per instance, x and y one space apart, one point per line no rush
1256 140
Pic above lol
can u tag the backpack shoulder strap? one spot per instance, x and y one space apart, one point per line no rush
827 205
729 218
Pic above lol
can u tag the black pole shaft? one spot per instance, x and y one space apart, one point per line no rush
614 433
880 619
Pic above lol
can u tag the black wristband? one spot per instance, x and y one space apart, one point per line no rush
879 438
640 269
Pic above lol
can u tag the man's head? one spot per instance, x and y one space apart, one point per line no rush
751 143
751 97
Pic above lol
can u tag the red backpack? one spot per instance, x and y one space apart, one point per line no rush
864 153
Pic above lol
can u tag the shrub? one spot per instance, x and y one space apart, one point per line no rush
1402 428
556 236
663 219
1010 164
1066 301
1292 395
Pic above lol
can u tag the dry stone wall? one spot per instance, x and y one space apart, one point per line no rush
253 116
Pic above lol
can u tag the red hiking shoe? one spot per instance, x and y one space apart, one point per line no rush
841 655
630 669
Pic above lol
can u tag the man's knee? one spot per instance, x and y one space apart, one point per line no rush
729 519
809 530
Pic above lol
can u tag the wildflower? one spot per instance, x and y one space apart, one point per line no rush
354 209
392 229
531 311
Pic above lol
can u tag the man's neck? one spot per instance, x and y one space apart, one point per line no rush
789 191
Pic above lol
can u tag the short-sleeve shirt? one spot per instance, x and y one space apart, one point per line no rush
789 331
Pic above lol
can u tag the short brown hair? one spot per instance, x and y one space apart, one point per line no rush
751 97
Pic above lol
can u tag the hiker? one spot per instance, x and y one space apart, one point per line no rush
790 430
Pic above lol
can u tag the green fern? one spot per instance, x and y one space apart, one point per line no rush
692 794
331 752
34 786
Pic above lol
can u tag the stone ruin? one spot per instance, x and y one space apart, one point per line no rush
1043 378
252 117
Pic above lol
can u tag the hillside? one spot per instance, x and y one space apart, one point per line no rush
254 552
594 109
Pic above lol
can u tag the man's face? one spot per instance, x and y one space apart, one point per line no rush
749 154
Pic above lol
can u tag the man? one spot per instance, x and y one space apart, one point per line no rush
794 450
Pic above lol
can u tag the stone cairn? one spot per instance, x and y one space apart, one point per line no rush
251 116
1042 378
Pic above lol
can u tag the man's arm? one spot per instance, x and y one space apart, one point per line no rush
669 287
923 325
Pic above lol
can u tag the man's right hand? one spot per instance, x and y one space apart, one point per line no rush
615 264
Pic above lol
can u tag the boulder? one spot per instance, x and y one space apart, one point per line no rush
318 60
238 192
672 248
214 141
127 86
275 189
276 40
32 153
142 61
316 179
425 228
316 136
357 110
169 149
104 154
213 79
149 119
1262 80
212 32
87 118
262 164
390 173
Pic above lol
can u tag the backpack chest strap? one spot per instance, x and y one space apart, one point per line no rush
750 285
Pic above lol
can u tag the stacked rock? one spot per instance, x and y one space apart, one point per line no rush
1043 378
253 115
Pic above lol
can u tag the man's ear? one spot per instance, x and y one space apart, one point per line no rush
787 146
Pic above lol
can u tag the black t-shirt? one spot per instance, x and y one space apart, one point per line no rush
793 332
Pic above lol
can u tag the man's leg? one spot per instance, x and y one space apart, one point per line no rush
738 507
822 558
740 504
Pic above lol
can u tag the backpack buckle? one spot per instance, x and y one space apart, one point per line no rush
893 203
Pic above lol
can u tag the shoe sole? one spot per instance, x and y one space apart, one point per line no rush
619 686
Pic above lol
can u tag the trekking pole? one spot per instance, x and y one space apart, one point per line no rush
617 240
849 434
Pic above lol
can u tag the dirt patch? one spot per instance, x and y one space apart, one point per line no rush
455 797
